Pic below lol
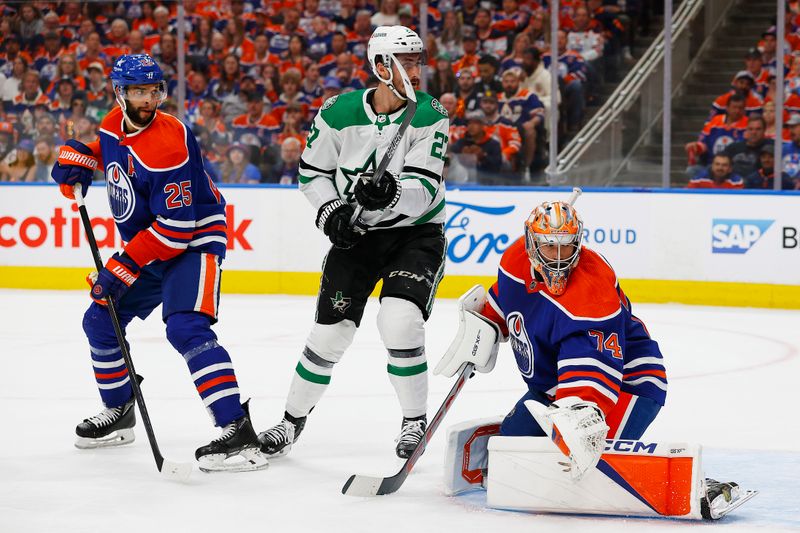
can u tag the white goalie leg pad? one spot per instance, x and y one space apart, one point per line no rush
577 427
402 329
476 341
324 348
632 478
467 455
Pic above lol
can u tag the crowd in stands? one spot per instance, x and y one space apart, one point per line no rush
735 149
257 71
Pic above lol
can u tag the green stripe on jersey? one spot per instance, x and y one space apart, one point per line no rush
407 370
431 189
430 214
310 376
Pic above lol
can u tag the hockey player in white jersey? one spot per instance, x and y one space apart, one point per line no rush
399 237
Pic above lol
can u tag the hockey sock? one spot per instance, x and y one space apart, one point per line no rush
311 378
408 372
110 371
209 363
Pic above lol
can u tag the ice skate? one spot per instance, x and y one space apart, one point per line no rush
277 441
721 498
111 427
411 432
236 450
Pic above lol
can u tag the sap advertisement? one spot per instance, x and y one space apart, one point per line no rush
645 235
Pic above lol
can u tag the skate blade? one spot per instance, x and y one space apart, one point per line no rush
276 455
741 500
247 460
117 438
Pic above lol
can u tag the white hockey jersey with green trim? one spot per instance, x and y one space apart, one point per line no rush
347 138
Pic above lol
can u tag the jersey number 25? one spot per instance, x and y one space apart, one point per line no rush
179 195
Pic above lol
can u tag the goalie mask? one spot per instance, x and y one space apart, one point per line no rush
137 70
384 45
553 234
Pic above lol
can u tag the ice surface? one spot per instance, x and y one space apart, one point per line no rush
732 378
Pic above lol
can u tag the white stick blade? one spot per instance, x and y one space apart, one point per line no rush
364 486
176 471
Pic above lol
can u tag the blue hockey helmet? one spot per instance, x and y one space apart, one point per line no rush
135 69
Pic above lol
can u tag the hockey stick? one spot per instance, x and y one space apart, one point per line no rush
170 469
359 485
411 110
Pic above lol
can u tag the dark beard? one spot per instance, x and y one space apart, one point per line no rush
136 117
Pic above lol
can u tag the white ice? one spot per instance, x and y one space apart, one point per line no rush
733 374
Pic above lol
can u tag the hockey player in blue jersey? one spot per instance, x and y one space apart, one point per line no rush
589 364
172 218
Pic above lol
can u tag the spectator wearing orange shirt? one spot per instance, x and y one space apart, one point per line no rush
502 130
256 121
67 68
468 96
470 57
117 39
718 176
743 83
295 56
719 132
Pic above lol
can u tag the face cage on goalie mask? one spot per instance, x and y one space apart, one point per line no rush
554 272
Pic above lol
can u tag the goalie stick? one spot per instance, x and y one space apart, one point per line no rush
359 485
411 110
179 471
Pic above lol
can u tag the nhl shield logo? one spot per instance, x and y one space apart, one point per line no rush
520 343
121 198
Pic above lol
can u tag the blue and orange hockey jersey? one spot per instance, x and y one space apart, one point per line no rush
585 342
162 199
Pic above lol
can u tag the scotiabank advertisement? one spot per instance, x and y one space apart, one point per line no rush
645 235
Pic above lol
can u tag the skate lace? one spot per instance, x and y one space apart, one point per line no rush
227 432
106 416
412 432
278 434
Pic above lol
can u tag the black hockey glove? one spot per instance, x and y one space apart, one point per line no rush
333 218
381 195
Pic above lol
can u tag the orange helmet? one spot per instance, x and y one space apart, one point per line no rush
557 227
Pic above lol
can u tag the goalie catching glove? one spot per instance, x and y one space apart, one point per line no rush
477 339
577 427
381 194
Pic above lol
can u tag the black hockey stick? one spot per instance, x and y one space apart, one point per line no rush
411 110
179 471
378 486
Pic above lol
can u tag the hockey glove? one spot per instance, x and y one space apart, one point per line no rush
116 277
76 164
333 219
382 194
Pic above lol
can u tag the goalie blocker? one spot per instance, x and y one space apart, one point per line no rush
631 478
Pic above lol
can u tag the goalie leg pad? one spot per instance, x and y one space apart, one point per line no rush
467 455
402 329
633 478
324 348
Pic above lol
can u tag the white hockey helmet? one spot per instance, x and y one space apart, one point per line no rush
386 41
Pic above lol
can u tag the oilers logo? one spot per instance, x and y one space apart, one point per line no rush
120 192
520 343
721 143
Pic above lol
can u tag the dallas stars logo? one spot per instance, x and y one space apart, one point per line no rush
340 303
352 175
